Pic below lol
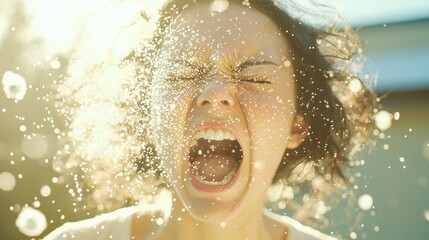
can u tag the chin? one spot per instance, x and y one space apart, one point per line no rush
212 212
211 207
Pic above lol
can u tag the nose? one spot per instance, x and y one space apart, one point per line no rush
216 97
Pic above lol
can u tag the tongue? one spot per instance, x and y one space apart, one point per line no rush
213 167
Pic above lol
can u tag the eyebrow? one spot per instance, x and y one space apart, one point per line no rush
246 64
254 62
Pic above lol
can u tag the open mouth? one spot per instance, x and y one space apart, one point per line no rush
215 157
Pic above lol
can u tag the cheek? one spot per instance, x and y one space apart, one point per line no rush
169 110
269 119
269 116
169 106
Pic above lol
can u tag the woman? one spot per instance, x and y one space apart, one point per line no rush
242 96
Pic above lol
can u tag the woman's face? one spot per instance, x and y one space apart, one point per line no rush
223 105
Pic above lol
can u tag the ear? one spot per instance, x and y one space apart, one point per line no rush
298 133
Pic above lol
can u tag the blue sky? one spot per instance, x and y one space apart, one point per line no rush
372 12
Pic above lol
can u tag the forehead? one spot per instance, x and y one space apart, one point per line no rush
238 30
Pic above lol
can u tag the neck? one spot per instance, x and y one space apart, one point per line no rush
251 224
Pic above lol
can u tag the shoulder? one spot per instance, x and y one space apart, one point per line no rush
113 225
296 230
119 224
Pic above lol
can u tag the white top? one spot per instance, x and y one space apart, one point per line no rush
117 225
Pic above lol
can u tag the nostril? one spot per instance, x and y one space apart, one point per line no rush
224 102
204 103
215 95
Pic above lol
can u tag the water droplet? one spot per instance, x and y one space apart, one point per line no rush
222 224
14 85
259 165
246 3
219 6
45 191
353 235
55 180
22 128
35 147
355 85
287 63
365 202
383 120
36 204
159 221
31 222
7 181
396 115
55 64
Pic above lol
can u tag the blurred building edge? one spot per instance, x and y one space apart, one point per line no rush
399 54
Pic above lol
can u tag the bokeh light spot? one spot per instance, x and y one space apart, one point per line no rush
55 64
365 202
219 6
383 120
31 222
22 128
35 146
7 181
45 191
14 85
355 85
396 115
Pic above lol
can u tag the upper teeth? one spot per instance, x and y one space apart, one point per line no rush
214 134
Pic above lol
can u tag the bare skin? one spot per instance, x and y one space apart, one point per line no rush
260 112
256 226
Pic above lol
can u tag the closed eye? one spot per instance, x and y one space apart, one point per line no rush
185 70
255 71
252 63
255 80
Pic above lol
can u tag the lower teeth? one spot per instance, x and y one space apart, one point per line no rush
224 181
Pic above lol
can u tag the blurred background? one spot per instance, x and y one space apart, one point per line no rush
392 180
